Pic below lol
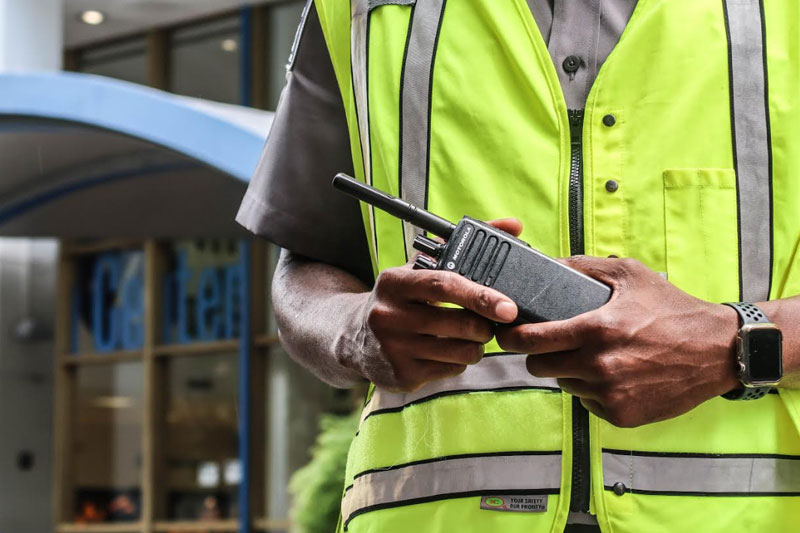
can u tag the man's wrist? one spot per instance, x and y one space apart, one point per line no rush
723 328
353 337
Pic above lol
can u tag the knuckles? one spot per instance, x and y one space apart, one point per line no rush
380 316
387 280
630 266
620 408
610 328
483 299
623 418
407 379
604 368
434 284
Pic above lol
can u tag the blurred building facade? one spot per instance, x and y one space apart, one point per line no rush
142 387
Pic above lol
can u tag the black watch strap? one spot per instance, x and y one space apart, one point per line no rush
748 314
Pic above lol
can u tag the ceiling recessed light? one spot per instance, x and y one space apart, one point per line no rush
93 17
229 45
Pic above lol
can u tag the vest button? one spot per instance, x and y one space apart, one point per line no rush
609 120
571 64
619 488
612 186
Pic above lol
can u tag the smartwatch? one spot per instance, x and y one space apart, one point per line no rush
759 353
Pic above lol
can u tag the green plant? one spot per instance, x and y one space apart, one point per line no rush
317 487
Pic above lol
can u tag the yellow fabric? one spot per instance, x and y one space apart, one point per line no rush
701 251
500 422
499 146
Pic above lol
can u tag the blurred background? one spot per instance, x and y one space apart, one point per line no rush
142 386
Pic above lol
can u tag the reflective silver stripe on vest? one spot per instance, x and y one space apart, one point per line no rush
359 63
415 103
722 475
752 145
496 373
453 477
378 3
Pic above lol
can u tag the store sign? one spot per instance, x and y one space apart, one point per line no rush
212 312
117 305
200 304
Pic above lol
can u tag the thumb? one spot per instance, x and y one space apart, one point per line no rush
510 225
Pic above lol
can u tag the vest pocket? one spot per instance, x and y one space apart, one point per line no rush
701 226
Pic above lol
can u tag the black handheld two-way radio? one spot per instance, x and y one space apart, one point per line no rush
543 288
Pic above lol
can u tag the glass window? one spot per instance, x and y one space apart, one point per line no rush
202 291
282 26
124 60
108 303
202 438
205 60
107 443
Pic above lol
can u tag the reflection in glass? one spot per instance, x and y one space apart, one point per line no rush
107 443
122 60
282 24
205 60
202 438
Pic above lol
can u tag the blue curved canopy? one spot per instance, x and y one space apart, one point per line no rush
87 156
223 136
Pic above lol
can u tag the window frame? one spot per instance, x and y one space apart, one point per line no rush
253 347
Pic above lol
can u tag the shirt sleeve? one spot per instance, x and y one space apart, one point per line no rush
290 200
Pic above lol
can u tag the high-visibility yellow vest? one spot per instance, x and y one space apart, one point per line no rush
456 105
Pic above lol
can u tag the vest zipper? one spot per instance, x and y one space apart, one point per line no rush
576 182
581 468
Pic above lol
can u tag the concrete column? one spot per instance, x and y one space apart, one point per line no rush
27 287
31 39
31 35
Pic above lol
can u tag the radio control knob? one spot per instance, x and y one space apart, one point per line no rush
428 246
423 262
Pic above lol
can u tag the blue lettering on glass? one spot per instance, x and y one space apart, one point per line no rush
234 277
212 312
133 313
105 317
208 319
199 304
182 276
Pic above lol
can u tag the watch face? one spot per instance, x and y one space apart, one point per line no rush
764 354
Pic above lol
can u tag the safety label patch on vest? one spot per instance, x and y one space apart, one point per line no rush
515 504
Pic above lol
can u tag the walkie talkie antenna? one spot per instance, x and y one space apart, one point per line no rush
394 206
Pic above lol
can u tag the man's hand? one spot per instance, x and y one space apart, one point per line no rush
405 339
652 353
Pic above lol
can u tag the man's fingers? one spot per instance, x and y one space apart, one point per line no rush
446 322
415 373
454 351
554 365
434 370
580 388
544 337
595 407
510 225
438 286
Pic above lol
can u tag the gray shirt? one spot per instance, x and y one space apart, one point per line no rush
290 201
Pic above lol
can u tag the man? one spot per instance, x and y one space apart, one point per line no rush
672 160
